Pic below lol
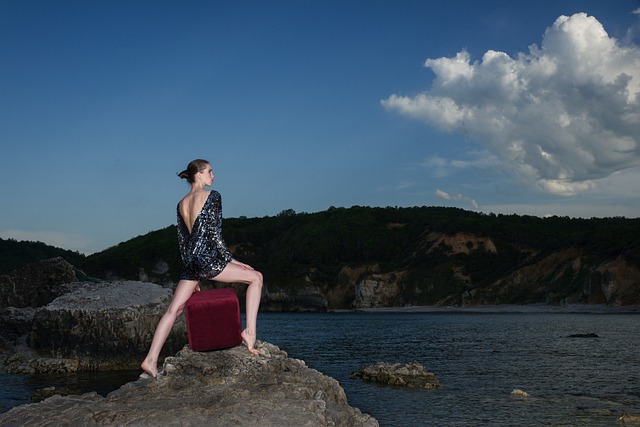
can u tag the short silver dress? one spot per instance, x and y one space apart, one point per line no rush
203 251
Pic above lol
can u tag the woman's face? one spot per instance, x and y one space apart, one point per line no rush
206 175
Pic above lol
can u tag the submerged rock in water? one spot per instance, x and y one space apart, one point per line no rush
228 387
411 374
589 335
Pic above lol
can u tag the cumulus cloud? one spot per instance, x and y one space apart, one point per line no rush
457 197
563 115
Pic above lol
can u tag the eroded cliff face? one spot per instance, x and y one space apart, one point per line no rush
459 243
618 281
567 276
379 290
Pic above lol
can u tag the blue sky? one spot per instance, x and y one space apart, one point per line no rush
492 106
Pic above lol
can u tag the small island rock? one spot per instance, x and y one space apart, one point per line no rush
411 374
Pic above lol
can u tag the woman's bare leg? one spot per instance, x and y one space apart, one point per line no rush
236 272
184 290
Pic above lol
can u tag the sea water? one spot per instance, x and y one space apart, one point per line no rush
479 357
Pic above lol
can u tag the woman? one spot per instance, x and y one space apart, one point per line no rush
204 256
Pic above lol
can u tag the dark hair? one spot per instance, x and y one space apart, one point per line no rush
195 166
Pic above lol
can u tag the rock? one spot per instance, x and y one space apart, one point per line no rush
630 418
304 299
37 284
222 388
98 326
618 281
460 243
589 335
47 392
379 290
411 374
15 322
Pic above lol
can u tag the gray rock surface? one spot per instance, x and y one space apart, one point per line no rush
15 322
222 388
411 374
379 290
36 284
96 326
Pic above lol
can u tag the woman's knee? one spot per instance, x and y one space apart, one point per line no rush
174 310
257 277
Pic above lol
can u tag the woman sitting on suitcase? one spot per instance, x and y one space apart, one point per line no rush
204 256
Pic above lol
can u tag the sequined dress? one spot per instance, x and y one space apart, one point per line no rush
203 251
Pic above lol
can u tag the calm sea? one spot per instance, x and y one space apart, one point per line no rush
479 357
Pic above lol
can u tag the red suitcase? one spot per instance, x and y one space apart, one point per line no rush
213 319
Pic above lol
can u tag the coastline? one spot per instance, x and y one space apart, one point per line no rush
201 388
505 309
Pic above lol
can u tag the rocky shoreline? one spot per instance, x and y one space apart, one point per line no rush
222 388
507 308
51 323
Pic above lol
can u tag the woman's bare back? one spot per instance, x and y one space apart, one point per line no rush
191 206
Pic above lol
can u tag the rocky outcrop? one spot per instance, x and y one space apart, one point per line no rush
618 280
459 243
379 290
15 322
160 274
411 374
564 277
633 419
37 284
299 299
222 388
97 326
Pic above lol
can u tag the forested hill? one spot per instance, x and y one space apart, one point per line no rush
361 256
15 254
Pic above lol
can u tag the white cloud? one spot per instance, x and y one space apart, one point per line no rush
564 116
403 185
441 167
457 197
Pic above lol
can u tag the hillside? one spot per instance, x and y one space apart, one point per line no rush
363 257
15 254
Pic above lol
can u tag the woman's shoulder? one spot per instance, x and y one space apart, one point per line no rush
196 198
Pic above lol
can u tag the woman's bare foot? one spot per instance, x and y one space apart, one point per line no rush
249 341
149 368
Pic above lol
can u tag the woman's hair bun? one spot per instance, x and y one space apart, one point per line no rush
195 166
